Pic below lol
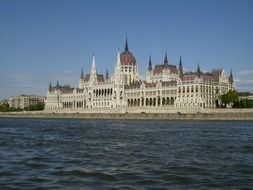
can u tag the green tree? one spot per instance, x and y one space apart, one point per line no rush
230 98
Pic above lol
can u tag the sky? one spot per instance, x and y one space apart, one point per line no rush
50 40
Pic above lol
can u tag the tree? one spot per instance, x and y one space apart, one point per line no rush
229 99
4 107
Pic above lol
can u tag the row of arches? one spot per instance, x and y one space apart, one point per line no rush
202 88
77 104
156 101
102 92
67 104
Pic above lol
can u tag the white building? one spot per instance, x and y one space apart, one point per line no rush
166 87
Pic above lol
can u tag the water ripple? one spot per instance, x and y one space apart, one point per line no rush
89 154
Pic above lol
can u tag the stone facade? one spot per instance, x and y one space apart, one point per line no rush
166 88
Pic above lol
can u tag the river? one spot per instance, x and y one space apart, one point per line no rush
118 154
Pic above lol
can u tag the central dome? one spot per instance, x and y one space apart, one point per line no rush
126 57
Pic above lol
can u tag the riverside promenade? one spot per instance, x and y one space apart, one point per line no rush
205 114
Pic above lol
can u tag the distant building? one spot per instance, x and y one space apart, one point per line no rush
166 87
245 95
25 101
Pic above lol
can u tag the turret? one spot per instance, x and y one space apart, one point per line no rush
118 64
81 76
118 75
166 59
150 64
93 72
231 79
93 67
198 71
50 85
180 68
107 75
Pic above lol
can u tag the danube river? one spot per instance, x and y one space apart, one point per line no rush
117 154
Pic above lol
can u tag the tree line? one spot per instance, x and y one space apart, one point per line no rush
231 99
37 107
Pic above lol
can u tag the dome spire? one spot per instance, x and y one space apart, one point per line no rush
126 45
198 71
166 59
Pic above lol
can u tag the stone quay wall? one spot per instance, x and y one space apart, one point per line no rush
206 114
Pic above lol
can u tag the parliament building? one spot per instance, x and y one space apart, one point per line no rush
165 88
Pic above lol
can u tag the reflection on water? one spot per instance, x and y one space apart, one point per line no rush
89 154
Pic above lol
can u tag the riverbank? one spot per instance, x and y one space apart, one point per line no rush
214 114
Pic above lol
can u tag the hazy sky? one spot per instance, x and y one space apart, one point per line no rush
43 40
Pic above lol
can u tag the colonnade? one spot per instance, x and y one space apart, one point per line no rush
150 102
74 104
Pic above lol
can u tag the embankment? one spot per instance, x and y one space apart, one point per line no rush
230 114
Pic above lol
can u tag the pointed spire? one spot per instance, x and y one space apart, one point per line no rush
198 71
118 64
107 74
118 60
93 67
180 68
126 45
231 79
50 85
150 64
81 77
166 59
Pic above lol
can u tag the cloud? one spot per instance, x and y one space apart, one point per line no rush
245 72
67 72
244 81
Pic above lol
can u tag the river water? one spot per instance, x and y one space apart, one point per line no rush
117 154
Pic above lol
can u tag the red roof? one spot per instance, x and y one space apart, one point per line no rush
100 78
159 68
127 58
191 76
216 73
63 89
169 83
86 77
